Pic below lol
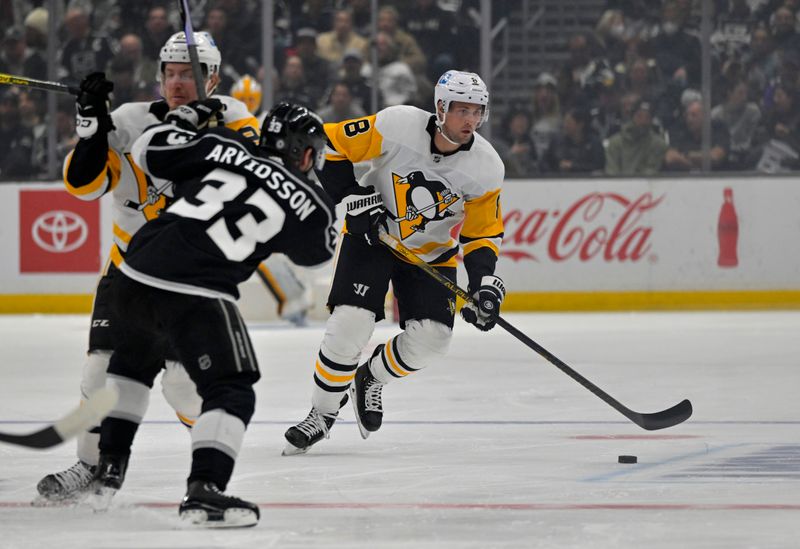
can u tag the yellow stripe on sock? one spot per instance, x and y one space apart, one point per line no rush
332 378
392 362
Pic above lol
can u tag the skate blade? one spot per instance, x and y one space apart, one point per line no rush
364 432
292 450
100 500
231 518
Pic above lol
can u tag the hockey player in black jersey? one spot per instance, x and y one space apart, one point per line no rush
236 203
101 168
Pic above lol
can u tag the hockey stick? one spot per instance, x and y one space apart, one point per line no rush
199 82
90 413
13 80
658 420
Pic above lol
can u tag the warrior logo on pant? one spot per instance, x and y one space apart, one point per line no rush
420 200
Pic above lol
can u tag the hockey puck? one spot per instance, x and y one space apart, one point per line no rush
627 459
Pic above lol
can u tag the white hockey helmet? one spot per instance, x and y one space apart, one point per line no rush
460 86
175 50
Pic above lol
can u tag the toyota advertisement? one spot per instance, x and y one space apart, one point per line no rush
736 237
58 233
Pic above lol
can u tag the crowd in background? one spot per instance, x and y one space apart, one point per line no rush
626 101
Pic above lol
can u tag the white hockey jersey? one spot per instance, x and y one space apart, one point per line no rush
428 194
137 197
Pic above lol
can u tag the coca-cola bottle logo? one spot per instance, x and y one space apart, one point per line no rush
728 231
597 225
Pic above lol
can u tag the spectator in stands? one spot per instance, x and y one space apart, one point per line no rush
642 78
318 71
784 32
777 140
396 81
546 111
361 10
436 32
121 72
66 138
685 151
408 50
352 73
314 14
331 45
733 29
157 30
637 149
293 86
36 39
131 49
515 145
577 150
674 49
16 141
216 23
15 57
84 51
788 73
244 21
584 72
340 105
610 33
742 118
761 62
606 117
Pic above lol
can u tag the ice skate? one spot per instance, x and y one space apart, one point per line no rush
108 479
205 505
69 485
366 394
311 430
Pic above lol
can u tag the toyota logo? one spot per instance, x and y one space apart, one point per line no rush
59 231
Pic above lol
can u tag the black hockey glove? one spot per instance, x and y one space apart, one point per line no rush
485 308
197 114
365 214
93 106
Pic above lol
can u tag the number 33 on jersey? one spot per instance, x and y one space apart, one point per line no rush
234 207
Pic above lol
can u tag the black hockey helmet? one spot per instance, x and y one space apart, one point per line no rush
289 129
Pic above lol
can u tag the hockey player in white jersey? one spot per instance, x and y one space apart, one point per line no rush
427 175
101 164
284 281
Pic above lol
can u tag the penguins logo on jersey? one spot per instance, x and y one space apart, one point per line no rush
420 201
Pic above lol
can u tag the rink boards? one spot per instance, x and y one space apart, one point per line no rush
570 244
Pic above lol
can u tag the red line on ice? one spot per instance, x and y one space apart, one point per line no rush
488 506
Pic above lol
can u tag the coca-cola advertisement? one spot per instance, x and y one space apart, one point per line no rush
596 226
640 236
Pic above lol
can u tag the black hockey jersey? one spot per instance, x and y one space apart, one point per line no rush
234 207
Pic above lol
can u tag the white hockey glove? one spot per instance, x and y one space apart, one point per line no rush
197 114
92 106
485 308
365 214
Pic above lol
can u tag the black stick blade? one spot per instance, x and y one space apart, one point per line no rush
664 419
45 438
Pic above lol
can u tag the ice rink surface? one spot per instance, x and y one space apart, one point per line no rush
494 447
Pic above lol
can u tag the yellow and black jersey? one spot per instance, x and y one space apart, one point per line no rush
428 194
102 164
